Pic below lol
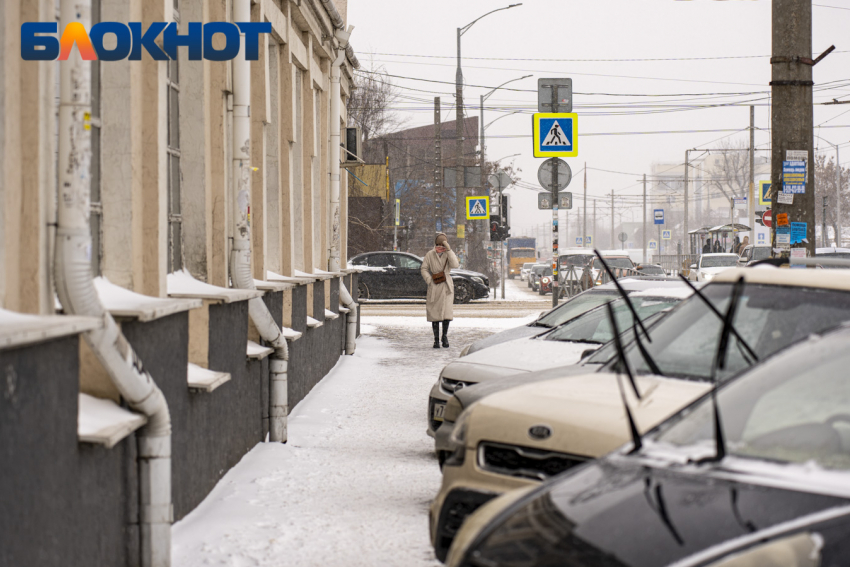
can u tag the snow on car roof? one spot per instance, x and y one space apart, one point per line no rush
679 291
824 279
719 254
636 284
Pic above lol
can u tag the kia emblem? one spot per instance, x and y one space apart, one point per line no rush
539 432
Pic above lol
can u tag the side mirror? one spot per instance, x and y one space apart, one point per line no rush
587 353
693 266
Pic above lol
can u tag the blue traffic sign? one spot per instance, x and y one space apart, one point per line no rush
578 240
665 235
478 208
659 216
555 134
588 240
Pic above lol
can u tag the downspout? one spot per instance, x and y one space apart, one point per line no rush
240 255
344 295
78 296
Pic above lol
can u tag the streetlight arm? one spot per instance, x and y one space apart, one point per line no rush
464 29
503 84
500 117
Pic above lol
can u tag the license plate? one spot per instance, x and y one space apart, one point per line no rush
439 409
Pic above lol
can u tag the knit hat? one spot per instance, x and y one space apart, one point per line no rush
441 239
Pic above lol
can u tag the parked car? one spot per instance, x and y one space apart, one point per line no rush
772 489
566 311
752 254
709 265
537 272
523 273
833 253
650 270
396 275
498 443
562 346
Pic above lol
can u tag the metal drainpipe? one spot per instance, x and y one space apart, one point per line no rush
76 291
240 255
334 263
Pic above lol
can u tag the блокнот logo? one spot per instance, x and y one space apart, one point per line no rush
130 40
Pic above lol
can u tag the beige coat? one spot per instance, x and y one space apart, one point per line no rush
440 298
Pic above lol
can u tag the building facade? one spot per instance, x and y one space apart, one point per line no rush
162 206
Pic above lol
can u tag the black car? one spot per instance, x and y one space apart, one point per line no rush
537 272
757 475
390 275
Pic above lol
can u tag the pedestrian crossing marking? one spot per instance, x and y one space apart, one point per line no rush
555 134
478 208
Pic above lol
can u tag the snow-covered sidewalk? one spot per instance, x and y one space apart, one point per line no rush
353 484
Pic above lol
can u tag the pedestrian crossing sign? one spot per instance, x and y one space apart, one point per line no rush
478 208
555 134
578 240
652 245
665 235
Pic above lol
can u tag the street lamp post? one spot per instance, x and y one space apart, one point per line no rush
504 218
459 193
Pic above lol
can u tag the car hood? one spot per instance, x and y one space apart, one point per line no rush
612 512
505 336
470 395
715 270
584 413
468 273
521 355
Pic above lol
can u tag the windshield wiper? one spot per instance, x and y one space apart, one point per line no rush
661 509
714 310
637 444
720 363
653 367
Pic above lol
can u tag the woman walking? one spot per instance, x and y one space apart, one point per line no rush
436 271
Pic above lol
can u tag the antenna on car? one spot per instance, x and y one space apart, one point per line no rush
720 362
714 310
622 293
635 319
636 441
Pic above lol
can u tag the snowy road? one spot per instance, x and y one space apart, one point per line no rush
353 484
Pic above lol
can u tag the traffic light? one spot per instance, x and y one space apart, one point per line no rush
495 228
506 232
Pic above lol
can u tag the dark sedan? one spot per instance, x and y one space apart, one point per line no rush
759 476
395 275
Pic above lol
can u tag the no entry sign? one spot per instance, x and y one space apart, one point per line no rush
767 219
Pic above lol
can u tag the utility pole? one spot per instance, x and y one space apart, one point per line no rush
791 109
438 166
751 195
824 238
584 224
613 245
837 199
644 218
460 201
685 223
595 243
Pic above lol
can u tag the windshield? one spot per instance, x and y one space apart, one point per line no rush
761 252
527 266
578 260
576 306
836 256
794 408
769 318
608 351
523 253
613 263
652 270
595 326
718 261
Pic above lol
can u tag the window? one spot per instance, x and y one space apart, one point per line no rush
175 211
380 260
409 262
96 205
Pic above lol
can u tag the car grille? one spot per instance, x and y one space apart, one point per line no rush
450 386
524 462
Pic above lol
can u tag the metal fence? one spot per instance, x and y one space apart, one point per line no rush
675 263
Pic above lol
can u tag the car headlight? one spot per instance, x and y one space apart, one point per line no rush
545 280
451 386
465 351
458 436
707 277
477 280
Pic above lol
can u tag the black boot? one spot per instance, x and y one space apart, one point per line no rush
436 327
445 331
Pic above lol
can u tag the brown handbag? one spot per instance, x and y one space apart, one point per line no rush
440 277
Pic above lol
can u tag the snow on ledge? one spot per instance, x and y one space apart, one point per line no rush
18 329
274 277
257 351
274 285
330 315
122 302
344 309
103 422
290 334
313 323
314 276
182 284
204 379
